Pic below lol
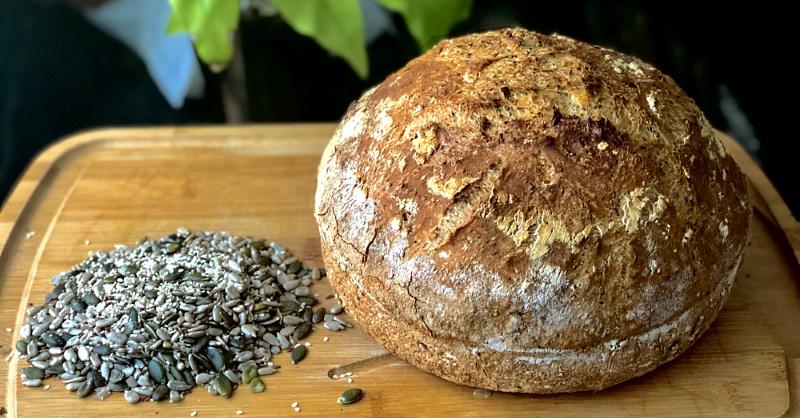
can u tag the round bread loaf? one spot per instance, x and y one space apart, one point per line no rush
529 213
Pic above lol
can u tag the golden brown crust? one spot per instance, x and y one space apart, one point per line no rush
527 208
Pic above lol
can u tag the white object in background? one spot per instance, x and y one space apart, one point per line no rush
377 20
170 59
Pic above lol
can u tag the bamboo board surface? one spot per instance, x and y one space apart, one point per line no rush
115 186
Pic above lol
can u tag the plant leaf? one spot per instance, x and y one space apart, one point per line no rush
211 24
336 25
430 20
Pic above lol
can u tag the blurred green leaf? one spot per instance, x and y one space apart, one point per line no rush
211 24
430 20
336 25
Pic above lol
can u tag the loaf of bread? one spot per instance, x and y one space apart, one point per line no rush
529 213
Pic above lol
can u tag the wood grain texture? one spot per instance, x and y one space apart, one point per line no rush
114 186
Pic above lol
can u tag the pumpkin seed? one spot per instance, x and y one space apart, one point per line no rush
223 385
299 353
33 373
351 396
302 331
172 248
256 385
160 393
249 373
22 347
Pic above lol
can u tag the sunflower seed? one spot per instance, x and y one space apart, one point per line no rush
266 371
178 385
232 376
73 386
40 364
271 339
202 378
131 396
102 393
32 350
85 389
292 320
250 330
336 309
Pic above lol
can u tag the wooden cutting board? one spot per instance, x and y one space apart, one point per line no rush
115 186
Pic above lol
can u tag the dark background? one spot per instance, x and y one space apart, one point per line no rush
59 74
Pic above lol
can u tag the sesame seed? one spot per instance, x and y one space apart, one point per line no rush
193 414
296 409
349 380
325 339
294 404
30 234
239 412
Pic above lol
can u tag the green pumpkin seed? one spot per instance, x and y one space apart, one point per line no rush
302 331
33 373
172 248
257 386
351 396
22 347
160 393
223 385
53 340
299 353
249 373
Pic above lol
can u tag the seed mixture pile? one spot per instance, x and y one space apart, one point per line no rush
190 309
